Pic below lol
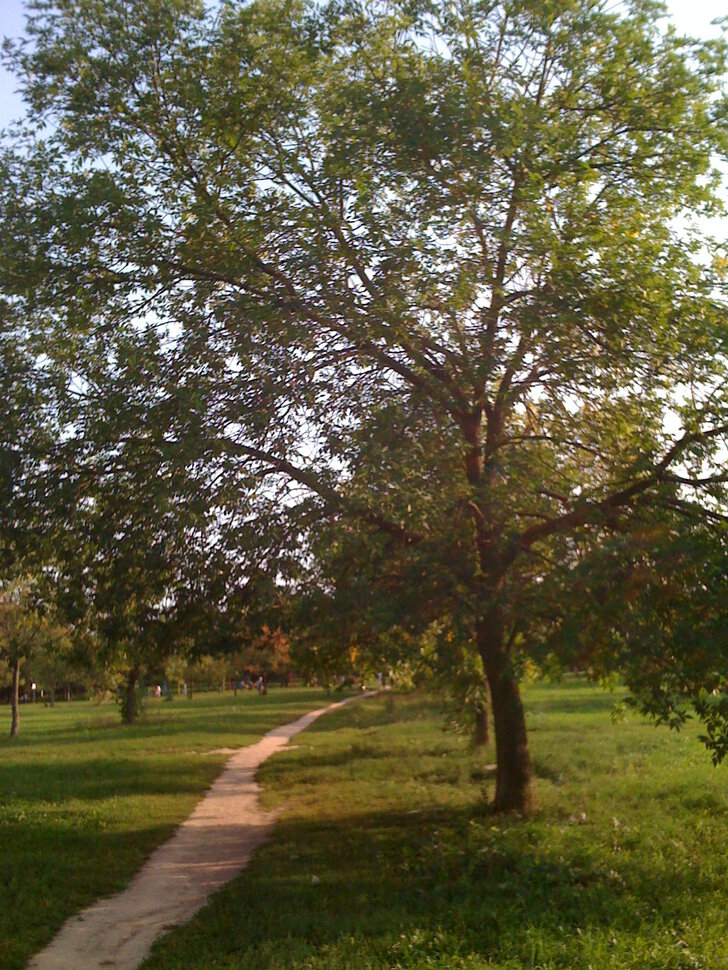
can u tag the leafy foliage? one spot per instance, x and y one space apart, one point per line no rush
419 279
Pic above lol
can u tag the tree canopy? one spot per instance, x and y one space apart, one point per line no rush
428 275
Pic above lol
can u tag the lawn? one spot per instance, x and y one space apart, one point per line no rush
385 856
84 799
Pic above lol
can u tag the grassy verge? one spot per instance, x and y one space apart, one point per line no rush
84 800
385 856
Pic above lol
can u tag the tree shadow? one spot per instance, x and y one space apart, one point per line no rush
390 881
88 862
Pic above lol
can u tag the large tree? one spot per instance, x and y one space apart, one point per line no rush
144 565
428 267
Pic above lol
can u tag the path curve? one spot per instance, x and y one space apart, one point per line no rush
208 850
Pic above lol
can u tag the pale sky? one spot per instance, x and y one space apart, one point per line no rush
690 16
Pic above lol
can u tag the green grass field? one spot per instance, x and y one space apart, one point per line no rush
385 856
84 799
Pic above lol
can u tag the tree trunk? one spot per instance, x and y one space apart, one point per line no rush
513 776
52 696
130 712
15 700
482 732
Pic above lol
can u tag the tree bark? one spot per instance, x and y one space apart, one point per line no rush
52 696
130 712
15 700
513 775
482 729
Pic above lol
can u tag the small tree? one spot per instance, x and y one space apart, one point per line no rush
22 630
175 668
52 662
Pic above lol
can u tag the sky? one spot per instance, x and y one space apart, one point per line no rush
690 16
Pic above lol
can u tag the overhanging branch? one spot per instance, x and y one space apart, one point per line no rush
593 512
327 492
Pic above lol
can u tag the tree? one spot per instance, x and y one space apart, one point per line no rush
139 534
22 630
23 423
175 668
134 567
663 588
267 653
400 608
52 662
428 270
28 502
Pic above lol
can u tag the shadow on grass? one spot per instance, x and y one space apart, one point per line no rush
439 887
87 862
93 779
383 884
84 800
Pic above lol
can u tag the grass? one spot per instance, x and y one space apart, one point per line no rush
385 856
84 800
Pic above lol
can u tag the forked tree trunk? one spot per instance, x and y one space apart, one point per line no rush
513 774
482 731
15 700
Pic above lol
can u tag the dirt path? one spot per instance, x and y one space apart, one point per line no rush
207 851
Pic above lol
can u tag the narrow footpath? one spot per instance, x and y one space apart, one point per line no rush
208 850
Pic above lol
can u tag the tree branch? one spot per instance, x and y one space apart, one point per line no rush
330 495
591 512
